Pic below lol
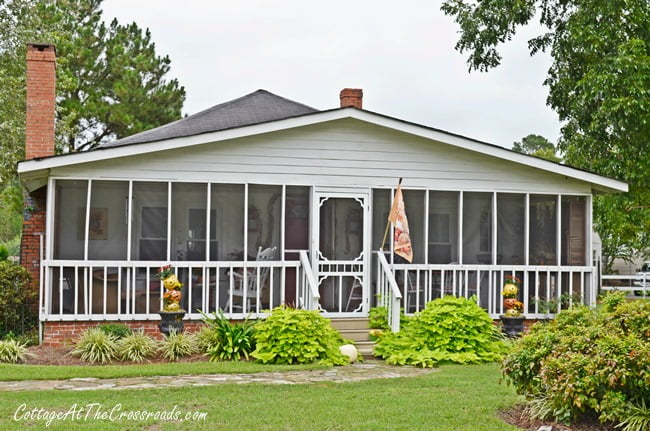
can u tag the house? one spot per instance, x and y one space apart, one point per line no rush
262 201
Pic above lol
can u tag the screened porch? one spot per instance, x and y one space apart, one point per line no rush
246 248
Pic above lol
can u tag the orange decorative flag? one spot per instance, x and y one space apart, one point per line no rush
402 239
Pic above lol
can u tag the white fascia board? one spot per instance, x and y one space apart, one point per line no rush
599 182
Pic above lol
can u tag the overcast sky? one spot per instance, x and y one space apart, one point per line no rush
401 53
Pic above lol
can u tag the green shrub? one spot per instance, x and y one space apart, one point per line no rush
291 336
4 253
135 347
612 299
229 341
16 299
178 345
378 318
587 362
12 351
117 330
94 345
449 329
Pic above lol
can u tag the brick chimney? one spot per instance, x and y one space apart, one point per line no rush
352 97
41 80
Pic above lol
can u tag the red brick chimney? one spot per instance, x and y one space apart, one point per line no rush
352 97
41 80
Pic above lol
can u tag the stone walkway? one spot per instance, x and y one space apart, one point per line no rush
367 370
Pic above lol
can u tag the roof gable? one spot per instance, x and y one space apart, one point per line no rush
258 107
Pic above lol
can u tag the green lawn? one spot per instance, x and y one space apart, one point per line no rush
49 372
455 398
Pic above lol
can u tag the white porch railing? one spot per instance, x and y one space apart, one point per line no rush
627 283
544 290
120 290
308 287
388 291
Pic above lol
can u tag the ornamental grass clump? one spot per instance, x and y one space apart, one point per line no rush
135 347
13 351
587 363
291 336
449 329
178 345
95 345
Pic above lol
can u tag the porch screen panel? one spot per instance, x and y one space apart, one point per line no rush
511 213
574 230
477 228
189 222
543 230
380 208
296 226
149 225
227 222
414 203
70 219
264 218
108 229
443 227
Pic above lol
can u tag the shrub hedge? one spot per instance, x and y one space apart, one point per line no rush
587 362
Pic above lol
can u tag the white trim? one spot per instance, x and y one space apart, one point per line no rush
599 182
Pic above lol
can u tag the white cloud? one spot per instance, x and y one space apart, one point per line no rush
401 54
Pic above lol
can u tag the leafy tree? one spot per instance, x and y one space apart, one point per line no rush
599 84
537 146
110 81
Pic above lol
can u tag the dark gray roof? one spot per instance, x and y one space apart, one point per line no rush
258 107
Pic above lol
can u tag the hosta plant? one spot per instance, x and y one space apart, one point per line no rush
449 329
95 345
292 336
178 345
12 351
136 347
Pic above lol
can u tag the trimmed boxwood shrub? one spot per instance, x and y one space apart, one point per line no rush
291 336
449 329
587 362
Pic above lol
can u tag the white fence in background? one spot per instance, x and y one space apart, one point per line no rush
637 284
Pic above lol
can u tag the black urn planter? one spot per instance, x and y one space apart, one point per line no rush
171 321
513 326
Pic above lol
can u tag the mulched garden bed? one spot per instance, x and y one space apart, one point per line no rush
46 355
518 417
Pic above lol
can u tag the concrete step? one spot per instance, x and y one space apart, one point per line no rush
365 348
351 323
355 334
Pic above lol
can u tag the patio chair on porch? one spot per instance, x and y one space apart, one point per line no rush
253 277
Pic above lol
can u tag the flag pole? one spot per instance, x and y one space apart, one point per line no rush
388 222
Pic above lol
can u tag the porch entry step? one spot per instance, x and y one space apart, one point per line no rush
365 348
345 323
355 329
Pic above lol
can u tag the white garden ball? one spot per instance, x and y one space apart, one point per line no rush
350 351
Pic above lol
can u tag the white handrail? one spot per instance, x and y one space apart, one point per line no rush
309 274
394 307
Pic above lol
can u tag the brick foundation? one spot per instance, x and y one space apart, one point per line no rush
65 333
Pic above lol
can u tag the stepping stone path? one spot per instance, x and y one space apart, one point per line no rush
367 370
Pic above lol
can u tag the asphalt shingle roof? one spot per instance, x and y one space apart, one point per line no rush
258 107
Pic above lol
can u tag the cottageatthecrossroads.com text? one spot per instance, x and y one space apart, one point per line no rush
100 412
